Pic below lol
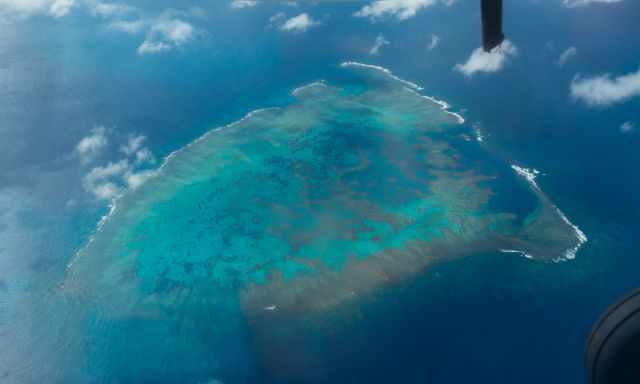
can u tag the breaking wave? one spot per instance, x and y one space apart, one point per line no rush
530 174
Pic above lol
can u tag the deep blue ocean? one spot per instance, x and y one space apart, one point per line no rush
499 318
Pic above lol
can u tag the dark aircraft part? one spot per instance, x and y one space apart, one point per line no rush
492 35
613 349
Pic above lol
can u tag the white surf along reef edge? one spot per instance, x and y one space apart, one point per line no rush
319 83
530 175
157 172
478 132
410 86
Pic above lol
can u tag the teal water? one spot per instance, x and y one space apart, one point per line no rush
493 317
288 217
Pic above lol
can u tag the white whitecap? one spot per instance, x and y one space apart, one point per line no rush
530 174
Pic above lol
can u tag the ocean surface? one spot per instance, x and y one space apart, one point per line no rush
71 312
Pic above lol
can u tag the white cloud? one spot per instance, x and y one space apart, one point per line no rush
112 180
433 42
134 143
108 171
89 147
132 27
100 9
276 20
299 23
100 181
581 3
60 8
238 4
401 9
109 181
379 43
627 127
145 155
481 61
135 180
134 149
166 33
567 55
604 90
106 191
55 8
24 7
148 47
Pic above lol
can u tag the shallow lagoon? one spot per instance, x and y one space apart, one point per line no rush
268 233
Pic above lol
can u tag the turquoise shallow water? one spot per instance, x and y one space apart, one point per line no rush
59 78
287 218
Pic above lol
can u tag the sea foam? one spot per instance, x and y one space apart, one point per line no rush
384 70
530 175
526 255
319 83
410 86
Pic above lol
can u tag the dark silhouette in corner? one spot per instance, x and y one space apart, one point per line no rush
613 349
492 35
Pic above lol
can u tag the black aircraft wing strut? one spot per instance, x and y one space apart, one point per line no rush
492 35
